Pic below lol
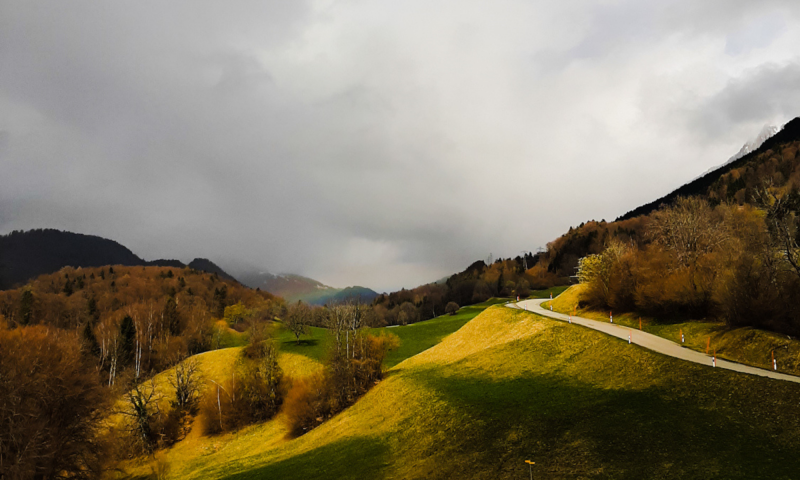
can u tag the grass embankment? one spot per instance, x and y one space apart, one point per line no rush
511 386
746 345
229 337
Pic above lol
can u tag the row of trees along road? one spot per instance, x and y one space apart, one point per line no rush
739 263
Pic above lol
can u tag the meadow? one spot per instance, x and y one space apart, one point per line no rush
510 386
414 338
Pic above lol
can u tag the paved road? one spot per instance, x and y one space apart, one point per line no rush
650 341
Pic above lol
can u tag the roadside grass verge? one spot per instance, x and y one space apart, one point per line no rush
556 291
744 345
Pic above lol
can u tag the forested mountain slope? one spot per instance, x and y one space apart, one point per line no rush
26 255
724 183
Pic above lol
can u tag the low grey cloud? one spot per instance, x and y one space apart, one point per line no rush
376 143
767 93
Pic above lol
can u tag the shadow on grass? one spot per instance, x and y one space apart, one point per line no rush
356 458
576 430
312 342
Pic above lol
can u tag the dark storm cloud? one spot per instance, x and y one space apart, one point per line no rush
764 93
376 143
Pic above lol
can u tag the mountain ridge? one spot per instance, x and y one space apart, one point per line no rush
789 133
25 255
293 287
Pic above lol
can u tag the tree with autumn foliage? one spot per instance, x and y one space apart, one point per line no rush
50 406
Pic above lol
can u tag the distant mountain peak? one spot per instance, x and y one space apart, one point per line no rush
767 132
293 287
769 138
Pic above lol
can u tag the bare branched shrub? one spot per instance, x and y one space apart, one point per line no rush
307 404
451 308
782 223
142 414
688 230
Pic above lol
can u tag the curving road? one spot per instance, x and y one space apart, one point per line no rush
649 341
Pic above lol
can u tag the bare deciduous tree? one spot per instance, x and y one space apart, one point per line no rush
141 409
297 318
782 222
186 381
688 229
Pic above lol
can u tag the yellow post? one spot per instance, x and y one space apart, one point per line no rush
530 466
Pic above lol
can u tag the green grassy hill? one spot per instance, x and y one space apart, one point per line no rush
511 386
414 338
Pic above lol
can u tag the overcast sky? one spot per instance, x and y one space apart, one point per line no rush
378 143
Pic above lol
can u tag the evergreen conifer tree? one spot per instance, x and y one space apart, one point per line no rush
127 340
90 344
171 317
26 307
92 310
68 288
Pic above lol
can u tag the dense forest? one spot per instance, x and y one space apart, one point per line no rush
131 317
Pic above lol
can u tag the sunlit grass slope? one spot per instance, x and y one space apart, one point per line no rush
511 386
229 337
744 345
418 337
217 365
213 366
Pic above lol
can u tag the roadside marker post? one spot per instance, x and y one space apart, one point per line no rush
611 316
570 319
683 340
530 465
774 362
551 307
714 360
630 335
